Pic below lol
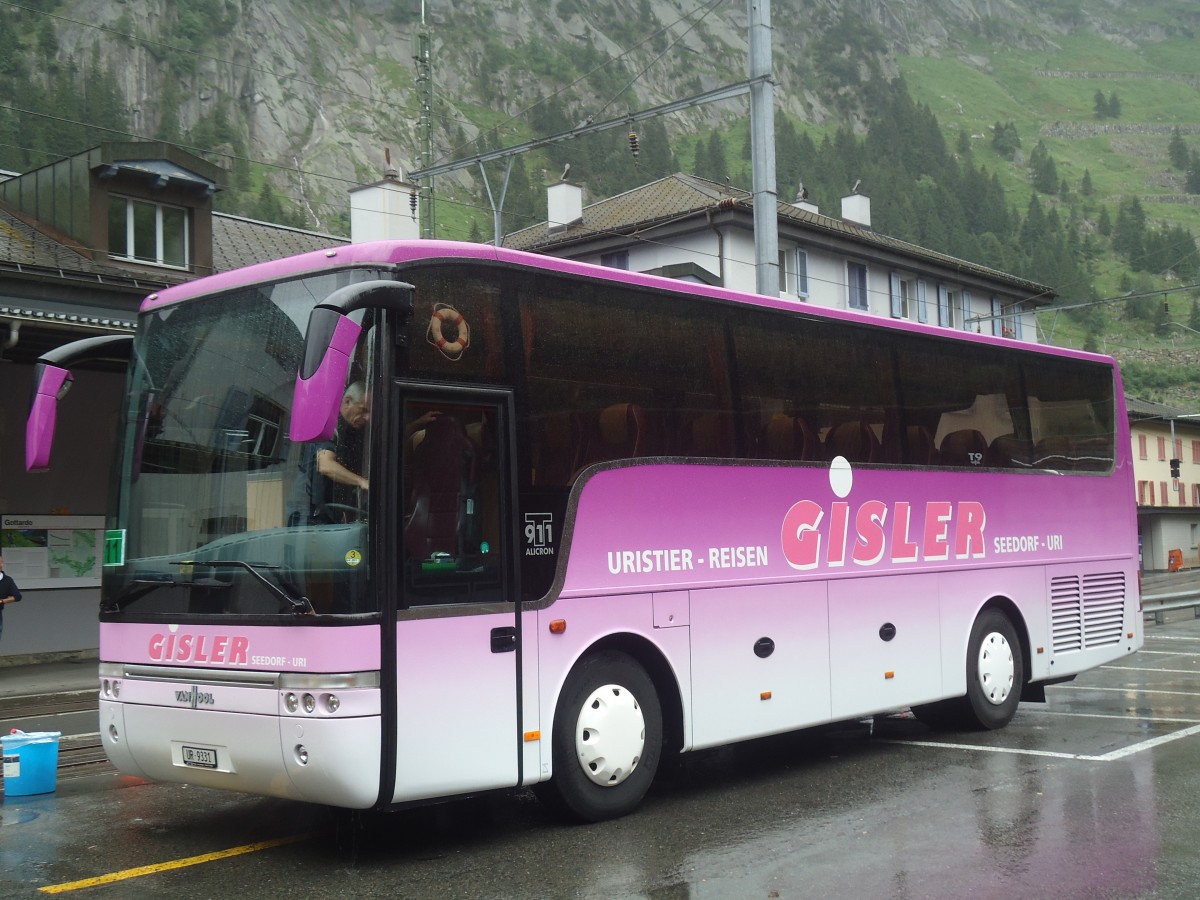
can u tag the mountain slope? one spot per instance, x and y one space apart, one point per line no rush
300 99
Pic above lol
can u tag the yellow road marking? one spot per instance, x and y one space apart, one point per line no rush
168 866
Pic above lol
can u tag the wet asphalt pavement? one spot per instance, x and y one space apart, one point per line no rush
1095 794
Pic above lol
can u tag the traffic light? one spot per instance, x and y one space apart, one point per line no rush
1175 468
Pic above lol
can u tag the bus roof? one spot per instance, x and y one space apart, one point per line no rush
387 253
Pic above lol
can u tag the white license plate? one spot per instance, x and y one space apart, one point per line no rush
200 757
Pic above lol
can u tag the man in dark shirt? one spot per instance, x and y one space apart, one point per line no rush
329 486
9 592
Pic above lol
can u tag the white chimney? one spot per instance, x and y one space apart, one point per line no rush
857 208
802 201
564 205
384 211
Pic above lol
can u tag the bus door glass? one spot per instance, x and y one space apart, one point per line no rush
457 641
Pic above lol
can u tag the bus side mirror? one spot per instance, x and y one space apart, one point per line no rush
329 343
329 346
51 380
50 385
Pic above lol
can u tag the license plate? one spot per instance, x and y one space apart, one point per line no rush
200 757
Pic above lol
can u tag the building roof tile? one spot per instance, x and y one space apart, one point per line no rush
679 197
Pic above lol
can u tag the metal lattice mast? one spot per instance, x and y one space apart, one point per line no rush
423 57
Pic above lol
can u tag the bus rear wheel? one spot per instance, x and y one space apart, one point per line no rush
995 676
607 738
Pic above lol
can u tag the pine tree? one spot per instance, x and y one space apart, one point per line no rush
11 62
1085 184
1129 231
1178 151
1193 174
1045 173
1100 105
1005 139
716 158
963 146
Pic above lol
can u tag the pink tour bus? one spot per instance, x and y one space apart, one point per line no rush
403 521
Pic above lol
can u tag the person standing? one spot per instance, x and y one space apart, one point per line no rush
9 592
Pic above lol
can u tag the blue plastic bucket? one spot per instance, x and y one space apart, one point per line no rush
30 762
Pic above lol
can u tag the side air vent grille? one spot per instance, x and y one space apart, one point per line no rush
1087 610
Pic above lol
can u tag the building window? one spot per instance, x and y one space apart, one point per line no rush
903 295
856 282
784 286
968 311
948 300
1162 492
1143 453
1195 501
617 260
1196 451
141 231
1012 322
1182 491
802 272
1162 448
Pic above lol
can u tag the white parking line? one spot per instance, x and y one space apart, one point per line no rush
1152 720
1172 637
1148 744
1132 689
1152 669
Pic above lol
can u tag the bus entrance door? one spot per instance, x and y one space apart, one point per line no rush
456 631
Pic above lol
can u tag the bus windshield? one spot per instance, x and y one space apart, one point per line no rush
217 513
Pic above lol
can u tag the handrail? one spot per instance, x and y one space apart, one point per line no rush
1158 604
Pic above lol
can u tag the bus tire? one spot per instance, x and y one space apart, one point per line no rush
995 674
607 738
995 671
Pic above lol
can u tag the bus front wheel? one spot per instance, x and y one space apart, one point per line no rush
995 671
995 676
607 738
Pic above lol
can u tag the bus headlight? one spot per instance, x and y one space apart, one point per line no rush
302 754
310 703
332 703
292 702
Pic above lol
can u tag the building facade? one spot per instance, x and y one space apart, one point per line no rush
688 227
82 242
1168 503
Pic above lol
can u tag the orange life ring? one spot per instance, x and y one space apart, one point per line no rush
448 315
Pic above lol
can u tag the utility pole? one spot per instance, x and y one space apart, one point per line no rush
762 142
713 96
423 57
762 150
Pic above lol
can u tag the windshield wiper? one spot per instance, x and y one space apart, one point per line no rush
136 590
301 606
